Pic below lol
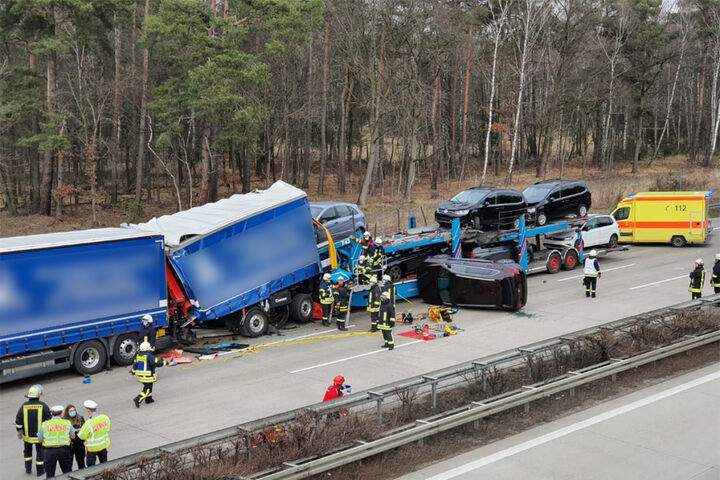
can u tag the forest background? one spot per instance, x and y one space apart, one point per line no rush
119 110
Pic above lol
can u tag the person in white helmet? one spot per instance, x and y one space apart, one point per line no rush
386 320
377 257
389 286
591 271
147 333
144 369
326 296
365 242
374 303
715 278
697 279
362 270
28 422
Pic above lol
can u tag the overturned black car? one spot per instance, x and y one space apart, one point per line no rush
467 282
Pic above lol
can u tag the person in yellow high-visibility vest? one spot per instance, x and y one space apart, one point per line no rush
327 298
56 436
144 369
96 434
28 421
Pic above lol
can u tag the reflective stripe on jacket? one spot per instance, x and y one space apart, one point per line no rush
374 299
96 433
145 365
591 268
326 293
697 280
56 433
387 316
29 419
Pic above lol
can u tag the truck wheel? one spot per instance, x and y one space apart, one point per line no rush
279 316
613 243
89 357
582 211
554 262
125 349
395 272
678 241
255 323
541 219
301 308
571 260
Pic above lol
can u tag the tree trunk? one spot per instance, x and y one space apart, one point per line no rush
466 104
206 166
308 119
638 137
46 181
518 107
323 114
700 102
344 114
434 171
488 134
116 127
143 112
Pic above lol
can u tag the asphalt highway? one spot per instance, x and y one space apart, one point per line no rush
196 399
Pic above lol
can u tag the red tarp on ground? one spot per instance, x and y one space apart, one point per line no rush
416 336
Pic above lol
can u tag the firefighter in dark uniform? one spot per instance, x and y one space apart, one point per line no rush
389 286
697 279
342 304
145 369
325 293
591 271
56 436
147 333
374 303
377 256
28 422
362 270
387 320
715 279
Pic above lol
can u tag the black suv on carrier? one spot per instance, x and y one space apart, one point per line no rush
480 207
551 199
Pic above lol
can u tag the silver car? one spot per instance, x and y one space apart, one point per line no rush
341 219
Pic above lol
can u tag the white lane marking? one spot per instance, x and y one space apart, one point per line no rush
333 330
659 282
606 270
354 356
508 452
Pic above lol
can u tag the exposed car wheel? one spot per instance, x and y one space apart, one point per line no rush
678 241
255 323
279 316
541 219
571 260
125 349
613 243
395 272
301 308
554 263
89 357
582 211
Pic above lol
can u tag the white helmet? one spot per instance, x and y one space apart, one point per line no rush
373 280
145 347
378 241
385 295
90 405
147 318
387 278
593 253
361 258
717 256
34 392
699 261
366 234
327 277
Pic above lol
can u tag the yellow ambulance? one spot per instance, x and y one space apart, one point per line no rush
664 217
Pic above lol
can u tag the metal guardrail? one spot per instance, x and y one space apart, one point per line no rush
432 383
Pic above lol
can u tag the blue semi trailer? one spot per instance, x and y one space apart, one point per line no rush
76 299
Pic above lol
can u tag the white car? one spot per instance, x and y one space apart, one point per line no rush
598 230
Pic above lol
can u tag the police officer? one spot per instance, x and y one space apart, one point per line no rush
362 270
96 434
377 255
387 320
715 278
28 422
144 369
342 304
591 269
325 292
147 334
56 435
697 279
374 303
389 286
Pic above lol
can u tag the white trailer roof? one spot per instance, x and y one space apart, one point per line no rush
211 217
66 239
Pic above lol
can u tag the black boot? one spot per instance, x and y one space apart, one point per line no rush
136 401
149 400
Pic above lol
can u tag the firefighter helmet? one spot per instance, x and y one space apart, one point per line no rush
339 380
145 347
593 253
34 392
